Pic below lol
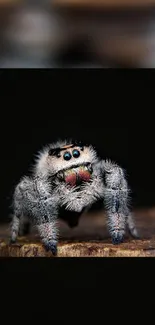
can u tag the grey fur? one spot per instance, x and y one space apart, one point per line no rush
131 226
40 196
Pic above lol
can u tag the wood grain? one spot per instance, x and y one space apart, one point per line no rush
139 248
89 239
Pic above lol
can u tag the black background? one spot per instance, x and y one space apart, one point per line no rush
126 137
25 129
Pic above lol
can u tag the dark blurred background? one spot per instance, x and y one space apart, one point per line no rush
77 33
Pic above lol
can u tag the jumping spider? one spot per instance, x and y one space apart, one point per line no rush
70 176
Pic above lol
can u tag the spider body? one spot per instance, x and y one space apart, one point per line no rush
67 179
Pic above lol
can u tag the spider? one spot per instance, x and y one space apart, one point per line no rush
69 177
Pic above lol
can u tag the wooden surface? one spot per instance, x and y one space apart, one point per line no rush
89 239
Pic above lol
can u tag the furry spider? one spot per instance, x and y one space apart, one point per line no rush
69 177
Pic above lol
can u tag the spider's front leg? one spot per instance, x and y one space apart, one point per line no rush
116 201
46 226
47 231
33 198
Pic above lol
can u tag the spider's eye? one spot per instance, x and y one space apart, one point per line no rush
67 155
76 153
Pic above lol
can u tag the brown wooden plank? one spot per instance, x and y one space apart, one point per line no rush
89 239
139 248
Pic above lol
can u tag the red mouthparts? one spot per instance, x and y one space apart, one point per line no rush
74 178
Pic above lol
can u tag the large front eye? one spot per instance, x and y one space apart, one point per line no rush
76 153
67 155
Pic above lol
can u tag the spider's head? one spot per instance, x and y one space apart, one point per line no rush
70 161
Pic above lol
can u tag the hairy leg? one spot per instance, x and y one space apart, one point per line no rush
48 235
131 227
116 201
15 228
33 198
